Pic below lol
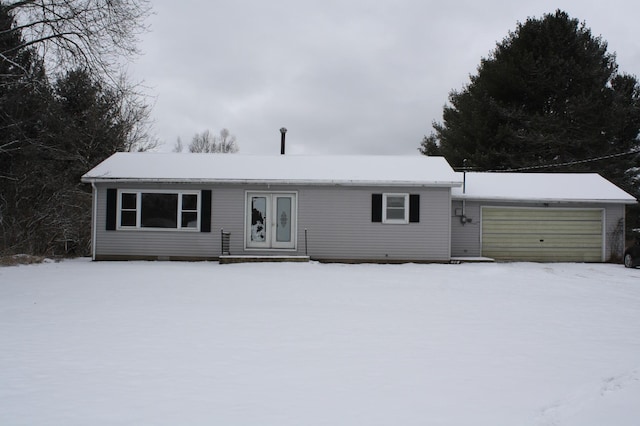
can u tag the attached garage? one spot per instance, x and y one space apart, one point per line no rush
542 234
543 217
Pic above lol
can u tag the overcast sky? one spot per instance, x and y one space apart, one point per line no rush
344 77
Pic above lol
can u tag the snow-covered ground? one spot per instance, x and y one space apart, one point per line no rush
160 343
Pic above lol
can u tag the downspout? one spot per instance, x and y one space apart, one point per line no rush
94 215
464 182
464 191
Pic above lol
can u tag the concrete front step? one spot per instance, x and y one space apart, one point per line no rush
470 259
254 259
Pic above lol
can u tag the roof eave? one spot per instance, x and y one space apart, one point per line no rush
307 182
545 200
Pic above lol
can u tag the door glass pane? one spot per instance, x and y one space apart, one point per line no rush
258 219
283 217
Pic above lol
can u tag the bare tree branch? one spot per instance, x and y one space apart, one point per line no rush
205 142
92 34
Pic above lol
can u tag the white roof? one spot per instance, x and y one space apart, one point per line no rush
415 170
551 187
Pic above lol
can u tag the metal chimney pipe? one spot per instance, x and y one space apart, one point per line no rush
283 132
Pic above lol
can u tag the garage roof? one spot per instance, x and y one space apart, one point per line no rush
417 170
546 187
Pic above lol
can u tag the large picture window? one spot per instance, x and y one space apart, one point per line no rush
158 210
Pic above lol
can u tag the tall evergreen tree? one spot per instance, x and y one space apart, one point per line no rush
549 94
50 134
25 95
23 84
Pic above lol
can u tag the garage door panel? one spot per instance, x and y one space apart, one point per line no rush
567 241
545 235
542 214
544 256
528 227
541 252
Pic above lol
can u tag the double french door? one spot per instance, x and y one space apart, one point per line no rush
271 220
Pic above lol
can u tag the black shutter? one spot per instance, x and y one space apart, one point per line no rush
376 207
414 208
205 210
112 195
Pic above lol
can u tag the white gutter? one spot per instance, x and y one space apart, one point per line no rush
275 182
544 200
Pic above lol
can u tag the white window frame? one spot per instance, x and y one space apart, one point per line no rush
139 227
406 208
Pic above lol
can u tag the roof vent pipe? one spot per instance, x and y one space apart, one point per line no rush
283 132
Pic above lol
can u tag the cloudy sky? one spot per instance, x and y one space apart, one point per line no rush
344 77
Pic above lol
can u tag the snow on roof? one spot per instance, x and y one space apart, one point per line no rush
346 170
553 187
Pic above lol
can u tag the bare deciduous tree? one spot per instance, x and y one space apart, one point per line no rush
64 107
133 110
41 40
178 147
227 142
205 142
71 34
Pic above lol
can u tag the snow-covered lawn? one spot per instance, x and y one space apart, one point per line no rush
160 343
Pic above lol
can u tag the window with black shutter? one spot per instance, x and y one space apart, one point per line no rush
395 208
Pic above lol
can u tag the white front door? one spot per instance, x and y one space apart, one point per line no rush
271 220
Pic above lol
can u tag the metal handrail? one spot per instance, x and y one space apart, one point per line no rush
225 239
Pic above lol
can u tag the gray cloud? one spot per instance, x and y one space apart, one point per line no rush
342 76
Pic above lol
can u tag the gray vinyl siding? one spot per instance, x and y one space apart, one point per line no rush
150 243
337 221
465 239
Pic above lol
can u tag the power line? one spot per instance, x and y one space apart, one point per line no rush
568 163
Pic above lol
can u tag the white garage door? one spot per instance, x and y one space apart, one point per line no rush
542 235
